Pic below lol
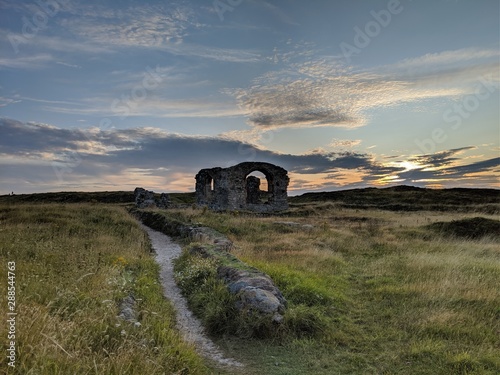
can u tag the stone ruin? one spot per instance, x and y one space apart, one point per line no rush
146 199
233 189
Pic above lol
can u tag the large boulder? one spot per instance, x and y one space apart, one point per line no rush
255 291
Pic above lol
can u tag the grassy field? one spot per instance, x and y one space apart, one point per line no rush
74 265
384 292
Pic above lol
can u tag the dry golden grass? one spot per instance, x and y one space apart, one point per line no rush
400 298
74 264
375 292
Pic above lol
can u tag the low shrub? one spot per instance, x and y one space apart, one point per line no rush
473 228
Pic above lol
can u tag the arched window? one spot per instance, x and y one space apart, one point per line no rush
258 188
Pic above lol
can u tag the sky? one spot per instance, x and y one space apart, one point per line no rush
111 95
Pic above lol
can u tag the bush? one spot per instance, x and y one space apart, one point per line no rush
473 228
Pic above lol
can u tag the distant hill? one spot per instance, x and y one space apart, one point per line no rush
409 198
87 197
396 198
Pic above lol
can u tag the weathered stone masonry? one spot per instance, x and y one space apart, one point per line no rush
233 189
145 198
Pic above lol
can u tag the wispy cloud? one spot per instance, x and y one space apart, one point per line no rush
347 143
153 107
214 53
68 65
447 58
4 102
440 159
323 92
139 26
26 62
163 27
46 101
57 44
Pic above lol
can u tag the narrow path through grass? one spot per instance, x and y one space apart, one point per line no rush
74 265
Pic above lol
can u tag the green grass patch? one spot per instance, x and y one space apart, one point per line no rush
392 299
370 291
74 265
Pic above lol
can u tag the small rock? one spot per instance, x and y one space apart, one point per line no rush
258 299
127 311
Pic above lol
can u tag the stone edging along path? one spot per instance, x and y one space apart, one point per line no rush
255 290
190 327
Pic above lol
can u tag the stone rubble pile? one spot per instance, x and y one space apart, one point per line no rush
146 199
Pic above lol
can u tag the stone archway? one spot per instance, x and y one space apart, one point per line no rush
258 188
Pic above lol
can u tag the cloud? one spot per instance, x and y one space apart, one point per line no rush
480 166
20 98
483 173
96 152
68 65
153 107
323 92
336 143
29 139
4 102
139 26
98 29
26 62
160 26
446 58
440 159
119 156
214 53
56 44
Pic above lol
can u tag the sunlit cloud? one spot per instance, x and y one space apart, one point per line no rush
152 107
171 160
336 143
323 92
141 26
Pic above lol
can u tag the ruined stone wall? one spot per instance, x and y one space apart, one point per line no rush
145 198
233 191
